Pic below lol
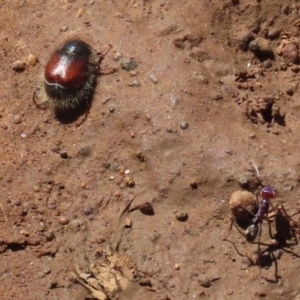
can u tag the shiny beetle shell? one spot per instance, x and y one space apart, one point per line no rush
70 75
70 79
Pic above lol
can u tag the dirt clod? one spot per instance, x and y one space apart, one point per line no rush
290 53
261 47
241 200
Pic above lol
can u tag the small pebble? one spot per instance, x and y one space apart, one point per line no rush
194 185
254 260
283 66
177 267
129 181
153 78
115 166
184 125
181 216
127 223
174 101
18 66
128 64
106 165
205 282
64 154
133 73
243 38
85 151
17 119
88 210
49 235
203 79
32 60
36 188
64 28
273 33
145 282
134 83
218 97
146 208
140 156
247 263
127 171
80 12
24 232
23 135
290 91
117 56
63 220
243 182
267 64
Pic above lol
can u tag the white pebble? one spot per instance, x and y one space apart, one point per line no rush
153 78
117 56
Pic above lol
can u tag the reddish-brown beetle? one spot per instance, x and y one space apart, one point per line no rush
70 77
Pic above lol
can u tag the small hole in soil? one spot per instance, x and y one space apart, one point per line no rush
16 247
267 116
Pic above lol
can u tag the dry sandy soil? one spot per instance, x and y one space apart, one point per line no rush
213 93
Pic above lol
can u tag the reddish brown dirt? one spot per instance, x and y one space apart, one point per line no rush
240 109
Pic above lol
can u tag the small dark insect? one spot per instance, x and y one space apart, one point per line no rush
254 230
70 78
